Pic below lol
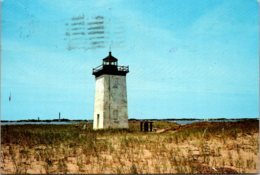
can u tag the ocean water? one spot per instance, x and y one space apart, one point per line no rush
184 122
38 123
181 122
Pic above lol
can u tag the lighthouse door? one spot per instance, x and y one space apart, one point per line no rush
97 120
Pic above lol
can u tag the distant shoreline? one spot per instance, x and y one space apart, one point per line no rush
131 119
54 120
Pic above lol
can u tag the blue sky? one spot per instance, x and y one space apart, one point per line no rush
187 58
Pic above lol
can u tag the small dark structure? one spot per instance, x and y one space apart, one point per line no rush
144 126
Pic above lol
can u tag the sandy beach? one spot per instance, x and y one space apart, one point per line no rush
203 147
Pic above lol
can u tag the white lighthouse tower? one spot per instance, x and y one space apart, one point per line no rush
110 108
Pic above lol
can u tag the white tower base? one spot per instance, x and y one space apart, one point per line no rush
110 109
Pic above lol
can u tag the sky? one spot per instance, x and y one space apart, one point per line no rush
187 58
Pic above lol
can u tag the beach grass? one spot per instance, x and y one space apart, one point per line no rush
203 147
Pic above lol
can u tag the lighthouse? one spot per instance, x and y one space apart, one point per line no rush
110 105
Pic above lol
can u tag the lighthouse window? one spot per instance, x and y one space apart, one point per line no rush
115 115
115 84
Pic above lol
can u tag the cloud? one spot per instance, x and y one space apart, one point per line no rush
209 56
225 18
33 66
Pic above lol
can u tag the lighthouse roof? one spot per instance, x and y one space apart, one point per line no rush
110 67
110 58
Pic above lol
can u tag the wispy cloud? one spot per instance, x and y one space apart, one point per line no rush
179 54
